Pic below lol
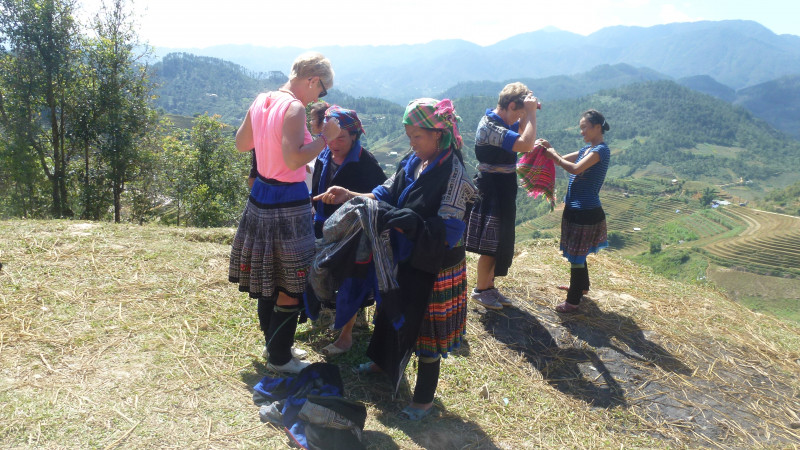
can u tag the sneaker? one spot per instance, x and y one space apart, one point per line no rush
298 353
486 298
502 299
293 366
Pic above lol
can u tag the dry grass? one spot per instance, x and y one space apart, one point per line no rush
130 337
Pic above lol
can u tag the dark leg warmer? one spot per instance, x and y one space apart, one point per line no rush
265 307
282 327
585 276
578 277
427 380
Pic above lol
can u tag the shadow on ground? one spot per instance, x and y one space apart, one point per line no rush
442 430
609 330
578 372
607 360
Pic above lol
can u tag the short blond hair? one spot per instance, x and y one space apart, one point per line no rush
313 64
512 93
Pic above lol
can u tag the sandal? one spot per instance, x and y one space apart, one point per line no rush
332 349
566 308
368 368
415 414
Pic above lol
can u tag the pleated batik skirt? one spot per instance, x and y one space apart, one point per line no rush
490 227
582 232
444 325
273 249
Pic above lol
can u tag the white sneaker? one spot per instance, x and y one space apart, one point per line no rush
486 298
298 353
293 366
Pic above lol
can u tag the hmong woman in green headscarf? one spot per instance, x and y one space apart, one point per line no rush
429 192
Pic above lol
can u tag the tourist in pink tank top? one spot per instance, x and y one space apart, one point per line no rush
274 244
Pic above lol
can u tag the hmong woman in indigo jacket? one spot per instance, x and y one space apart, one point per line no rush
429 191
583 225
344 162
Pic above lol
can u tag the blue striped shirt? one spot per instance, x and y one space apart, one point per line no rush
583 191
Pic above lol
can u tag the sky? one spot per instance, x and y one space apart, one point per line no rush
313 23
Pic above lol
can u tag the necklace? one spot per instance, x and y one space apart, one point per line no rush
286 91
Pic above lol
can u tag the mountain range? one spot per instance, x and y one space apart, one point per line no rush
191 85
735 53
666 125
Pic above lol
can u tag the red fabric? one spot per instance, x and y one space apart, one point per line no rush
538 174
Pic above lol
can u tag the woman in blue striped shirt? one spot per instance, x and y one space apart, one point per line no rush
583 225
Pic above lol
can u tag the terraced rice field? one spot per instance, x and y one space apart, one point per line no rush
733 236
770 244
640 219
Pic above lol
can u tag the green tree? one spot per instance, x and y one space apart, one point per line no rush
655 246
616 239
149 191
41 37
83 131
707 195
123 96
24 188
176 157
218 172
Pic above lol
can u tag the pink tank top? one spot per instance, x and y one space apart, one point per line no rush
266 117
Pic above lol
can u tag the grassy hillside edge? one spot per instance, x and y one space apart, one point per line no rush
127 336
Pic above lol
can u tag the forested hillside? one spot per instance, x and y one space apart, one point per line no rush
777 102
190 85
560 87
662 131
662 122
710 86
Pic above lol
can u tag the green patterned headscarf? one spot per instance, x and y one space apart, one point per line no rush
432 113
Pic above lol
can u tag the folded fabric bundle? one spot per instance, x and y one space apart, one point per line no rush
353 260
538 174
311 409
